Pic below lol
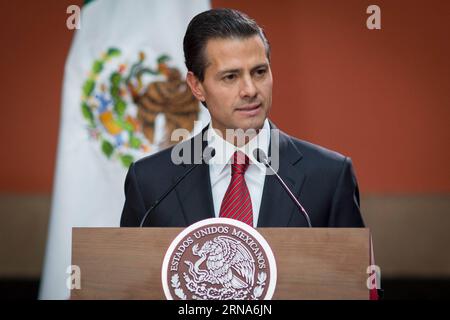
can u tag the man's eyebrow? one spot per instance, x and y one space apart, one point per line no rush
262 65
226 71
223 72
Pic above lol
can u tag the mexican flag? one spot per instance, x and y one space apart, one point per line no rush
123 95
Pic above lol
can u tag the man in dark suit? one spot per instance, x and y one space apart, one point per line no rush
228 61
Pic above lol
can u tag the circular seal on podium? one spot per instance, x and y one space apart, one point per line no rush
219 259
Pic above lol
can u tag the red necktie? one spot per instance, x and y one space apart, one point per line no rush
236 203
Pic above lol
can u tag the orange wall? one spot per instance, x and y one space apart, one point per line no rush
35 43
381 97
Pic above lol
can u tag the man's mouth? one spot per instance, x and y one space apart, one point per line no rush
249 109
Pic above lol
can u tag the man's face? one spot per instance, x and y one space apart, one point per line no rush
237 86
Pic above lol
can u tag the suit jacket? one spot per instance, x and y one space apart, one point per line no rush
322 180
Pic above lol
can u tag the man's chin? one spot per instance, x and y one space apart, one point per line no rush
251 124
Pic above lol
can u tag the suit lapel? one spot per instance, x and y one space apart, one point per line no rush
276 208
194 194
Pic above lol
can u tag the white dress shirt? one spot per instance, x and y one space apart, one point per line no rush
220 168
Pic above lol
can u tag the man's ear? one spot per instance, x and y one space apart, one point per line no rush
196 86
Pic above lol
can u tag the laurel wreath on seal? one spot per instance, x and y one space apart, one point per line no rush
175 282
258 290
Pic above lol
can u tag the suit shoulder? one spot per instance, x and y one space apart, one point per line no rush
160 156
168 158
318 154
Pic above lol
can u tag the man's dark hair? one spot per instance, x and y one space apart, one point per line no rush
216 24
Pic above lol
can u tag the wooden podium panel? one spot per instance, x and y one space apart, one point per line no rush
317 263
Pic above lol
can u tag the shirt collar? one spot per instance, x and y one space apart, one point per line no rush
225 150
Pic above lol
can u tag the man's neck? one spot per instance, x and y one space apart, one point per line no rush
237 137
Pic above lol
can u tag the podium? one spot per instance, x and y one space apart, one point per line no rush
316 263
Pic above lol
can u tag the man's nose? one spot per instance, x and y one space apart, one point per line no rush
248 88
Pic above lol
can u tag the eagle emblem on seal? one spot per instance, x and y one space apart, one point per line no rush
227 263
